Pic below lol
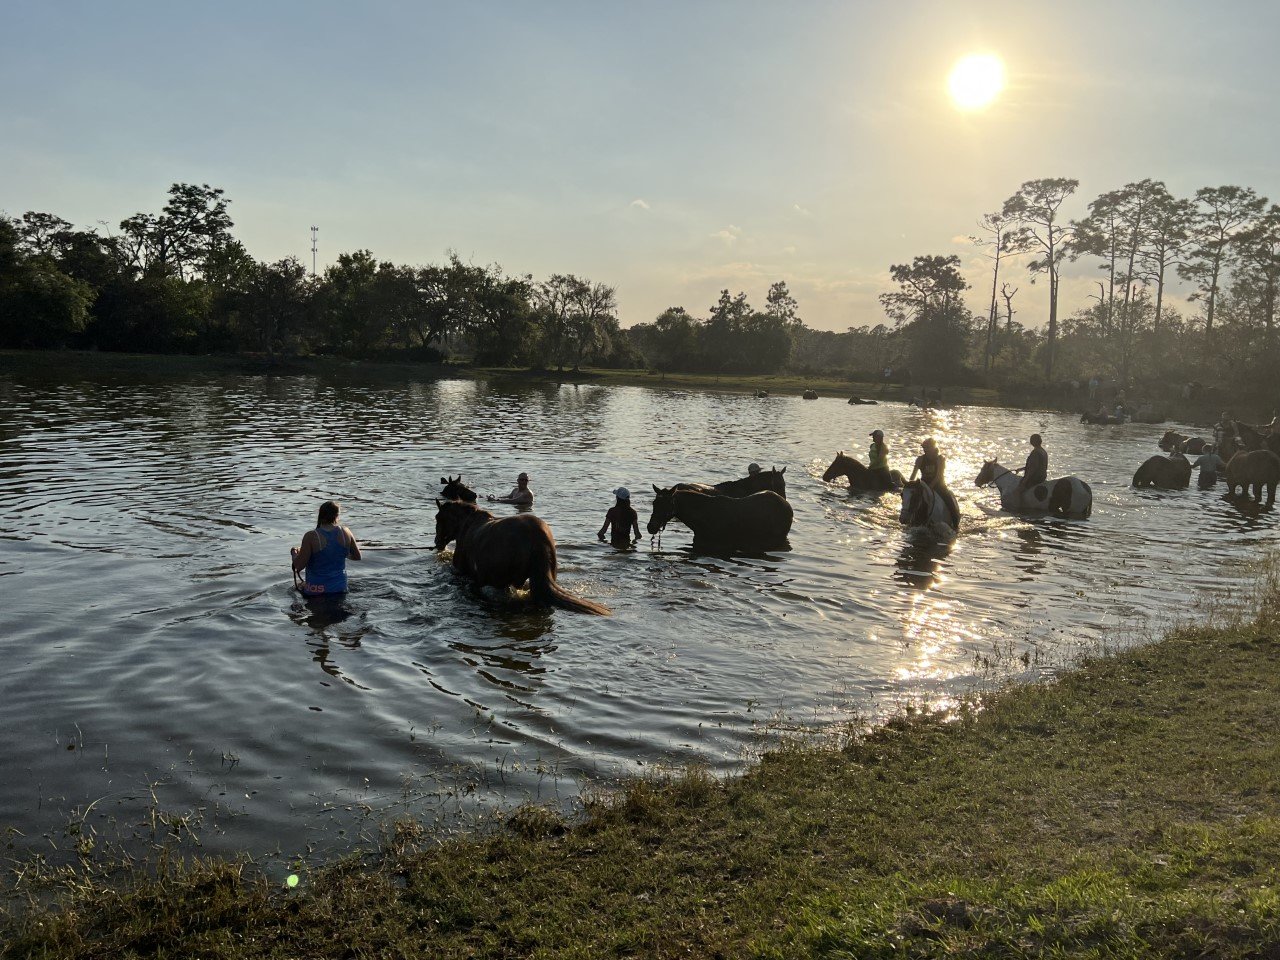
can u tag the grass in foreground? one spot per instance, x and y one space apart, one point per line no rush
1132 809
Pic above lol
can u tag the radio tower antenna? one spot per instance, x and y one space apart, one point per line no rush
314 244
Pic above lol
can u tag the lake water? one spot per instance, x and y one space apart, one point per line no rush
155 656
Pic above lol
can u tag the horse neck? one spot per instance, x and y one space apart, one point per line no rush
849 468
1005 480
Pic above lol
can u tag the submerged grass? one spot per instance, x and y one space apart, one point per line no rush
1132 808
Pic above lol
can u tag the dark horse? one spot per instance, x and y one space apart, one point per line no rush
859 477
758 520
1258 469
744 486
505 552
455 489
1100 418
1254 439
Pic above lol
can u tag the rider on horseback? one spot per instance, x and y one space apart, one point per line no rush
1036 470
932 467
878 460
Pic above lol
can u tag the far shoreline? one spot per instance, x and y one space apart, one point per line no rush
103 363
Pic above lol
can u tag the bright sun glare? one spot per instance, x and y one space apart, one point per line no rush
976 80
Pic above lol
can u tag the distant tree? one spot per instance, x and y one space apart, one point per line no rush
178 241
1258 253
780 304
1162 245
1221 214
994 238
594 311
1041 230
40 306
1099 235
41 233
556 300
929 303
276 305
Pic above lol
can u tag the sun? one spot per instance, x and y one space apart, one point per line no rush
976 80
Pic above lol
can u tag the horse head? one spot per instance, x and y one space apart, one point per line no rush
841 466
451 517
664 509
455 489
917 503
986 474
775 481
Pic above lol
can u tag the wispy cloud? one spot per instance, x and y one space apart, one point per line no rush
729 235
803 211
640 203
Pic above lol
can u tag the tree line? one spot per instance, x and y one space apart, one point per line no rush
179 281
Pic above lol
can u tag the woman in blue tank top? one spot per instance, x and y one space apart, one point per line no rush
325 552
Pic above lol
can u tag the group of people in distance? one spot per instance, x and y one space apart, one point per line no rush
322 558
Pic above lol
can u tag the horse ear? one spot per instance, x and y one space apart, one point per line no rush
444 481
656 489
783 470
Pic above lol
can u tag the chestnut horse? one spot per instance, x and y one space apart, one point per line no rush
505 552
759 520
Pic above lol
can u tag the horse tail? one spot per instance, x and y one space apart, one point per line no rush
543 586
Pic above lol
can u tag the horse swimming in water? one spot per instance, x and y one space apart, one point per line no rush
923 507
859 476
455 489
760 519
506 552
761 480
1067 496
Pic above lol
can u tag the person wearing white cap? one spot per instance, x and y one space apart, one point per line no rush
520 494
623 519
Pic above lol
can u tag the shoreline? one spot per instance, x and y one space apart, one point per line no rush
1131 807
783 385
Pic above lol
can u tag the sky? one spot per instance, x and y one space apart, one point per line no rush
668 149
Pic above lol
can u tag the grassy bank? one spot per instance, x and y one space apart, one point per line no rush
1130 809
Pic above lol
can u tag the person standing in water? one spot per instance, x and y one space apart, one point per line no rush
623 519
520 494
324 554
1211 466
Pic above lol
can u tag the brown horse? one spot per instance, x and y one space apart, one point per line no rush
455 489
1172 440
1167 473
759 520
772 479
505 552
859 477
1256 469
